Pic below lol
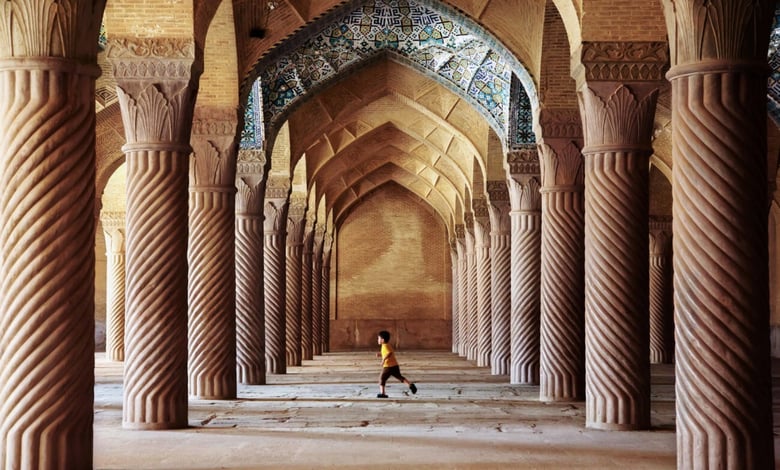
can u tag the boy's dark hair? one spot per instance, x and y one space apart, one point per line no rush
385 335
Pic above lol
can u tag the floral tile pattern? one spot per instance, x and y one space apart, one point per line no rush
773 86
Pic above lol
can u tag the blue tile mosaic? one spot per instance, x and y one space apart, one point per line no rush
417 31
252 134
773 85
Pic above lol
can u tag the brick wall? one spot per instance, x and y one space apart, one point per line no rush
391 270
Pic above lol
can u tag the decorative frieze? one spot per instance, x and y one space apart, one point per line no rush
523 161
562 123
151 59
621 61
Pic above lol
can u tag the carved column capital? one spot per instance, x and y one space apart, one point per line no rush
460 233
705 31
499 207
277 187
156 86
213 143
660 235
562 165
525 196
275 213
114 231
523 161
250 169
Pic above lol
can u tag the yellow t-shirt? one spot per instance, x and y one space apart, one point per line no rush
388 359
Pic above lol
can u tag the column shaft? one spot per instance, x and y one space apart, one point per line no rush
114 231
455 297
274 270
316 300
293 284
661 294
500 277
306 305
462 296
484 329
325 304
47 262
471 296
526 274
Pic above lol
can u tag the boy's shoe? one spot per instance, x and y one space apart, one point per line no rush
381 395
413 388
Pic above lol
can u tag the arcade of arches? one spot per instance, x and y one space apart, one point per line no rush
562 191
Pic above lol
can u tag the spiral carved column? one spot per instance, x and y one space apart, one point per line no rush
316 289
500 278
562 340
482 252
325 294
661 292
307 347
114 231
47 256
295 220
250 257
157 112
471 290
525 215
723 381
455 295
618 123
460 238
274 273
212 266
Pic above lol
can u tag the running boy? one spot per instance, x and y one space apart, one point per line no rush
389 365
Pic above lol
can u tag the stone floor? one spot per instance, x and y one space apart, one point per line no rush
325 414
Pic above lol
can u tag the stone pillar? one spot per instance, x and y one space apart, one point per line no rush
250 257
47 241
661 291
295 224
212 262
316 289
114 231
484 329
562 340
618 84
500 278
275 270
471 290
460 242
455 297
157 98
723 381
526 259
325 293
307 347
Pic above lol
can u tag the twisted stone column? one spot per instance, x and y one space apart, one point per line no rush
484 329
316 289
460 237
525 215
275 242
212 265
157 98
47 254
723 381
471 290
325 294
295 221
661 292
455 297
618 122
250 258
500 277
307 347
114 231
562 340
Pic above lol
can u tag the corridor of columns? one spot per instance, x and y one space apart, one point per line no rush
559 209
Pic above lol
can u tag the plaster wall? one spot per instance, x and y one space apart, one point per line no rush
391 271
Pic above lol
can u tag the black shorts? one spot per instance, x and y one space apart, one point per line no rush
393 371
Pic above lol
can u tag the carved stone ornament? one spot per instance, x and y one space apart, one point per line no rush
460 231
277 187
497 191
621 61
562 165
468 221
480 208
523 161
297 208
660 223
151 58
561 123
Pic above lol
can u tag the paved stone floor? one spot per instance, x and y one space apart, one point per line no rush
325 414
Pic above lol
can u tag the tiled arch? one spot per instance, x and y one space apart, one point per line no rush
424 34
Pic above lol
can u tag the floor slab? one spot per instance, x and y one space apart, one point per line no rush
325 414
